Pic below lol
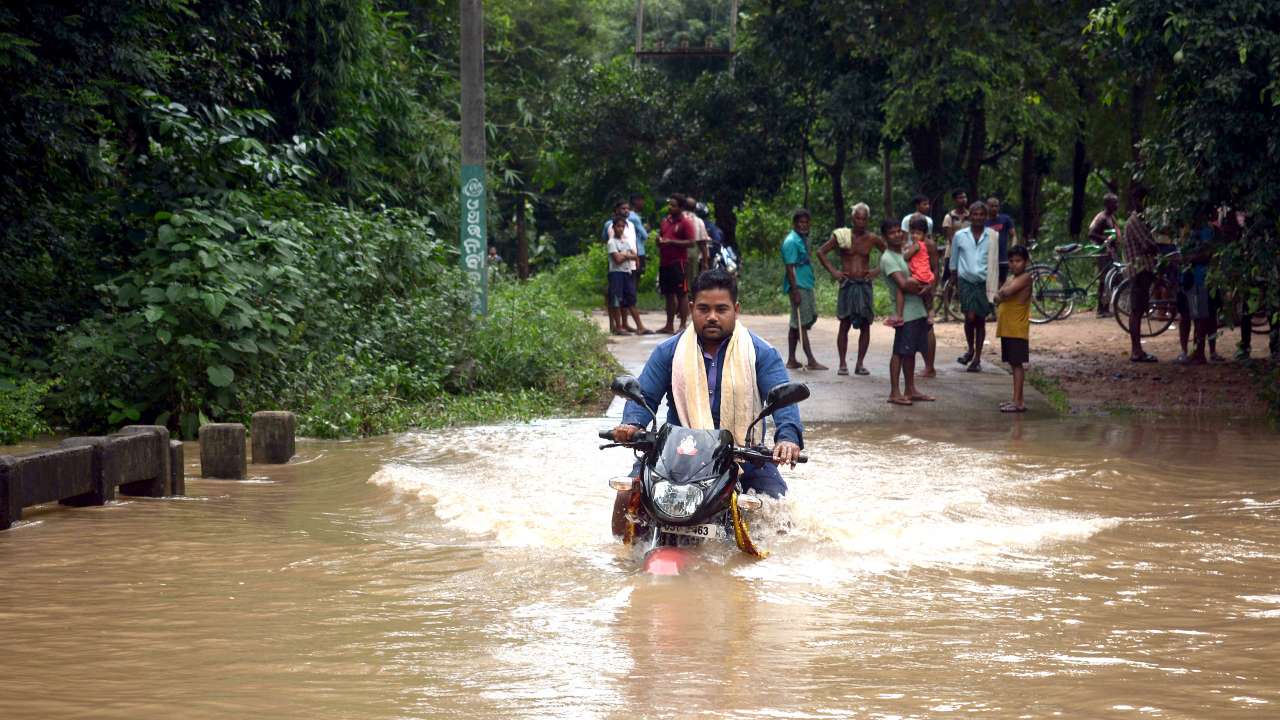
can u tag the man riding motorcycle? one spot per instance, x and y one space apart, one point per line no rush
725 389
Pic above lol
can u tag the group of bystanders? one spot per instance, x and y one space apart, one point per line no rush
687 241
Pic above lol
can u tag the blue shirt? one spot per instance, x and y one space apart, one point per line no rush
1002 224
641 233
795 251
969 258
713 230
655 382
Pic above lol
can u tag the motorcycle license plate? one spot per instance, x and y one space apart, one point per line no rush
709 532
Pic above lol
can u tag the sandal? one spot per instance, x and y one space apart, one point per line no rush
861 371
900 401
965 358
976 367
1011 408
843 371
1144 358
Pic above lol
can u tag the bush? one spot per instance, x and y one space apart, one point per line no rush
579 281
21 404
760 287
532 340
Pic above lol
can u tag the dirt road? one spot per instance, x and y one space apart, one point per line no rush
968 397
1084 357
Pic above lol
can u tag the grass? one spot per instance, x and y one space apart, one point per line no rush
579 281
1051 389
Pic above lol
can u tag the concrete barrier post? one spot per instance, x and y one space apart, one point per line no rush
41 477
177 468
273 433
154 469
222 451
103 491
8 513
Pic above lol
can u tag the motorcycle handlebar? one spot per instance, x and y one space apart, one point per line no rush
763 455
641 437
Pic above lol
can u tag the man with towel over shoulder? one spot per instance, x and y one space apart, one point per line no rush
717 376
855 305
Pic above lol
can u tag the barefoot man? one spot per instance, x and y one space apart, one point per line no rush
912 336
798 284
854 306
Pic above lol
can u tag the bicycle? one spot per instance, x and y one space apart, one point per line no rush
1054 291
946 302
1162 303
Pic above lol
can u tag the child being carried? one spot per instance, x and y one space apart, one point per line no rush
919 253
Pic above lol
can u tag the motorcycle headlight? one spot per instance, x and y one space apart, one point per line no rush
676 501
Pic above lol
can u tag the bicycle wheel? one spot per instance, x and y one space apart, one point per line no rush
940 305
1049 298
1162 308
951 302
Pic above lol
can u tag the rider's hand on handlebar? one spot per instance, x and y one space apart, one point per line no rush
624 433
785 453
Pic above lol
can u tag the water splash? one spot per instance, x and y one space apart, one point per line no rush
856 508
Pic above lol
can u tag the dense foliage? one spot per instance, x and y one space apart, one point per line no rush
215 208
211 207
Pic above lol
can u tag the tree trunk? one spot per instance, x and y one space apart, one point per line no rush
522 240
977 149
804 171
1080 168
1029 191
836 171
726 220
925 142
1137 108
887 171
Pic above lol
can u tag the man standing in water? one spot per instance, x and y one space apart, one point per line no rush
736 365
854 307
675 237
798 285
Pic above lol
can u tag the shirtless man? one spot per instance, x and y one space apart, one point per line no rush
854 307
1104 231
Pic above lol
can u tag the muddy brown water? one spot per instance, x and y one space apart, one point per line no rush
1013 569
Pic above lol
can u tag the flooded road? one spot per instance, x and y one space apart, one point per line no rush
1049 568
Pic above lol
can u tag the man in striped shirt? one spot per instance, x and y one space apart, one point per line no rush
1140 253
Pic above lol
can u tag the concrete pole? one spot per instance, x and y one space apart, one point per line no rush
473 191
639 26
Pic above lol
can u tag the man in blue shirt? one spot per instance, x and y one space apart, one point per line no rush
1003 225
715 315
969 257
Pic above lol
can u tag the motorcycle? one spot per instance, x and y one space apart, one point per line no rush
688 491
724 258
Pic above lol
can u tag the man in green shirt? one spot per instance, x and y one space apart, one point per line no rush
798 284
912 336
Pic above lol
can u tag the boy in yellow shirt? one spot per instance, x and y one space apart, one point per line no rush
1013 323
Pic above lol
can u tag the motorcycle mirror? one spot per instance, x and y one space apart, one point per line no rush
625 386
779 397
783 395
